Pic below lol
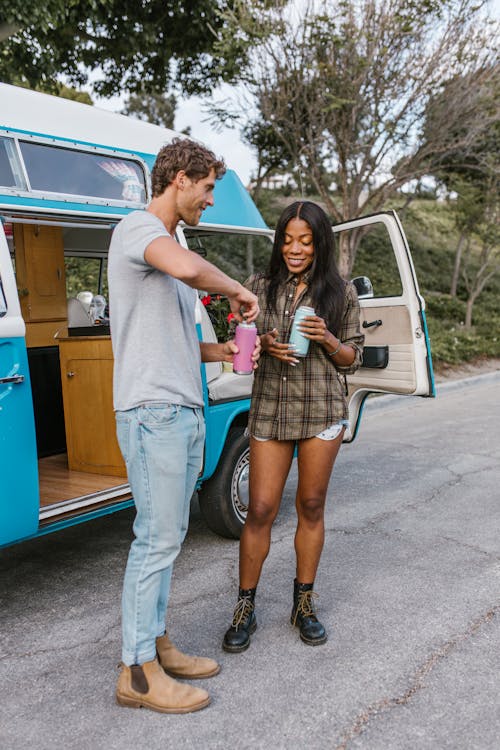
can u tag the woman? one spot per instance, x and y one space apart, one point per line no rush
296 402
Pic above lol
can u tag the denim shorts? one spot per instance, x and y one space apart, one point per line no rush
331 433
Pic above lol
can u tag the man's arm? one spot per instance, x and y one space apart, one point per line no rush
168 256
225 352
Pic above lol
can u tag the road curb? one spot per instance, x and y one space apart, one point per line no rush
390 401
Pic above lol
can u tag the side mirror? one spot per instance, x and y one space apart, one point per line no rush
363 286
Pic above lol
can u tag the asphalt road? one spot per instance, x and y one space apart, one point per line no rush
409 588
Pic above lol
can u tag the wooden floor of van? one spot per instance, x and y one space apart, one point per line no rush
58 483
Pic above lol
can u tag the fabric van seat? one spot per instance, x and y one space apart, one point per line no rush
221 385
228 385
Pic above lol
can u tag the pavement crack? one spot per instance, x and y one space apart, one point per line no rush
473 547
417 682
455 480
103 639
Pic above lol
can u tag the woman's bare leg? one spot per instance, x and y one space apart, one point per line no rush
270 463
316 459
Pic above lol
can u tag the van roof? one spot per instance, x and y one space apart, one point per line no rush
67 119
35 114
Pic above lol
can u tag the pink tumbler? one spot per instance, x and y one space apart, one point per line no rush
244 338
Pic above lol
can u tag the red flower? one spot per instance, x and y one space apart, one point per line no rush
206 300
230 317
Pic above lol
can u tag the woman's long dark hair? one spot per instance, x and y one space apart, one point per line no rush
326 285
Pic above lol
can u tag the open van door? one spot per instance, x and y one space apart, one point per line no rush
397 356
18 455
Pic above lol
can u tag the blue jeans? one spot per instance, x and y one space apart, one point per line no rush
162 445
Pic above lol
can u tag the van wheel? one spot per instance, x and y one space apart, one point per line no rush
224 497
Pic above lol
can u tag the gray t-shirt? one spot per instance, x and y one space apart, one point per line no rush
153 330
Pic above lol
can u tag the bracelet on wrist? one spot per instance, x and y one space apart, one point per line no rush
335 351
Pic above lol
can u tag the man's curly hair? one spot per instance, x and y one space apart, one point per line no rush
187 155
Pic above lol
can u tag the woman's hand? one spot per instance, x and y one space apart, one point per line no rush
229 349
283 352
314 328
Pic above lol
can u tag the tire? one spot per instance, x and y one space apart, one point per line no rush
224 497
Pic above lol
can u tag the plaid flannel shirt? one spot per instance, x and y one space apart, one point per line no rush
294 403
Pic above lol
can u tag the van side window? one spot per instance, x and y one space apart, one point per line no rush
375 259
237 254
86 273
10 168
67 171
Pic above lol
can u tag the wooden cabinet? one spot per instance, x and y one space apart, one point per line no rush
41 281
87 384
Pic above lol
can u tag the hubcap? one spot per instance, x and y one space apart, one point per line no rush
239 486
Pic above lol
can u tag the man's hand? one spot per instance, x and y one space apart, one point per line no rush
230 349
244 300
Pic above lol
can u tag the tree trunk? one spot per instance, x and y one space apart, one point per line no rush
468 311
345 263
456 268
249 255
348 247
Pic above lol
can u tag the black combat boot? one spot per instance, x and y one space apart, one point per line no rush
304 617
244 623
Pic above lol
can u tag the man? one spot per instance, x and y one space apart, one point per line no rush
158 403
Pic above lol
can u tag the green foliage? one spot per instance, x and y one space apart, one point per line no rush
134 45
82 275
452 343
237 255
432 236
221 316
67 92
158 109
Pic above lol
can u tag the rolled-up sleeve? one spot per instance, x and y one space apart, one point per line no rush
350 333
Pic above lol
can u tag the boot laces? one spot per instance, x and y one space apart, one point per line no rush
305 605
242 611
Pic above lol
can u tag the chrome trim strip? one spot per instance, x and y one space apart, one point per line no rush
85 501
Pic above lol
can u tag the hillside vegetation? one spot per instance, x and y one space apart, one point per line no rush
433 238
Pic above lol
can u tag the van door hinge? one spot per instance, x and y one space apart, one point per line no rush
419 333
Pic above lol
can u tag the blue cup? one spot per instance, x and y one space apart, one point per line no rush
299 342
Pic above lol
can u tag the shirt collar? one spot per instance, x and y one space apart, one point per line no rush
306 277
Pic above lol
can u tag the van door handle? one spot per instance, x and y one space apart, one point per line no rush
12 379
372 324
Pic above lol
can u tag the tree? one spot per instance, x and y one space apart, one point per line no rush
271 153
472 176
345 87
145 44
159 109
477 217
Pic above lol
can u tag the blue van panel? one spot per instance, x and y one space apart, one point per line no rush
19 498
219 419
65 207
233 205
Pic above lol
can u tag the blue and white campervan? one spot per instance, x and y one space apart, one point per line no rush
68 173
